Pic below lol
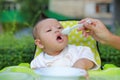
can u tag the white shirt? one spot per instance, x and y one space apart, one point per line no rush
65 59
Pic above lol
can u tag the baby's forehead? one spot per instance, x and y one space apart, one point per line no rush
49 23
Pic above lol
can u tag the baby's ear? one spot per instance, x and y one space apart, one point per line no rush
38 43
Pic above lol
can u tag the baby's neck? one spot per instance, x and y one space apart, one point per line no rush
53 53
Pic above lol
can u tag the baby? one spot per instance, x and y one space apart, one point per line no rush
57 51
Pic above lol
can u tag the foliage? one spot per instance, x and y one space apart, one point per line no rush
109 55
30 12
14 50
31 9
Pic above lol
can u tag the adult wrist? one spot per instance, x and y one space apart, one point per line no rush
108 38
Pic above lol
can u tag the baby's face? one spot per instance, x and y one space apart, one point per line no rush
51 37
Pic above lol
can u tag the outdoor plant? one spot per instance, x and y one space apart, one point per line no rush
33 9
14 51
109 55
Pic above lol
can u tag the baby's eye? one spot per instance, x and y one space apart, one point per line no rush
49 30
60 27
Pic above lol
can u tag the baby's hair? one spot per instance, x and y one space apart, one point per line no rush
35 31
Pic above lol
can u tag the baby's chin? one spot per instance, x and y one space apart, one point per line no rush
62 47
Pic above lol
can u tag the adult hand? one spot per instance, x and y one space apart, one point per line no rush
96 29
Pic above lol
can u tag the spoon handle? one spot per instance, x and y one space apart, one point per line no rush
80 25
76 26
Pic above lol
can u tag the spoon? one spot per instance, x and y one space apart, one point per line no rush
67 30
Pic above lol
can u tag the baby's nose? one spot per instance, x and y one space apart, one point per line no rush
57 30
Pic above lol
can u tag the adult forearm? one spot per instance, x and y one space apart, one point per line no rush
114 41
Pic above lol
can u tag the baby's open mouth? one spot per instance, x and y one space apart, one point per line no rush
59 38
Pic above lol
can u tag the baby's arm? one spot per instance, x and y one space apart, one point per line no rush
84 63
85 59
